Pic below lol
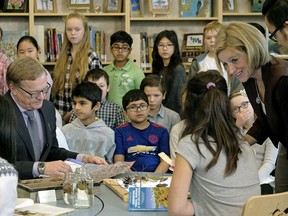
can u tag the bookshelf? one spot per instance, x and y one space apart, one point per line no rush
111 22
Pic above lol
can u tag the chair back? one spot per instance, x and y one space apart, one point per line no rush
266 205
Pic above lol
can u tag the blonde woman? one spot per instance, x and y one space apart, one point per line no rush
243 51
75 59
206 61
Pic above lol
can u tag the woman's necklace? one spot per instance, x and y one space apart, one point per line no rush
258 99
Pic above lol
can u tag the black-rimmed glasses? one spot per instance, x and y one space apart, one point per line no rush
273 34
167 46
243 105
37 94
141 107
118 48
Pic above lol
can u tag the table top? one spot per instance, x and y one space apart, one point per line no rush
113 204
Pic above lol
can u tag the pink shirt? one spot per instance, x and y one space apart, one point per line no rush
4 62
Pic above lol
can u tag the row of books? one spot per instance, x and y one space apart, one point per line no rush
146 45
53 43
98 41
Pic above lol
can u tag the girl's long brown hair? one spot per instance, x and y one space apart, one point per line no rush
208 114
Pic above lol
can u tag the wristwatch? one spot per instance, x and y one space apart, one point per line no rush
41 168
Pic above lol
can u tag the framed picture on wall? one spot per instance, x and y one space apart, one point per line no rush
193 41
257 5
74 4
192 46
159 7
44 6
112 6
196 8
15 5
229 5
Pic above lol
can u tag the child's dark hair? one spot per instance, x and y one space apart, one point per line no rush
96 74
175 60
152 80
206 97
121 36
30 39
88 90
157 63
275 11
133 95
259 27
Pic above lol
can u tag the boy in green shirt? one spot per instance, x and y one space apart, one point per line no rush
124 75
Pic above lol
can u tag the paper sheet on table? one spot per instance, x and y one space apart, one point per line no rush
41 210
100 172
23 202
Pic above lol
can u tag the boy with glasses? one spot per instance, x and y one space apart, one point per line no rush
124 75
140 140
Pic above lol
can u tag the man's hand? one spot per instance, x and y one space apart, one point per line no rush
94 160
56 168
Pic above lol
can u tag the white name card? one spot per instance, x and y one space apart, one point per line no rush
47 196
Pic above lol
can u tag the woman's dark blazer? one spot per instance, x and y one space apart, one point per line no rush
275 123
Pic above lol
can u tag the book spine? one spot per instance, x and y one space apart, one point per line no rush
144 50
104 56
98 42
48 46
55 45
92 38
150 49
59 41
51 45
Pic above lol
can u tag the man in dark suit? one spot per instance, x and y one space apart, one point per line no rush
27 81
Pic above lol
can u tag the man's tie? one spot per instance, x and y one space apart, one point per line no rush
34 133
